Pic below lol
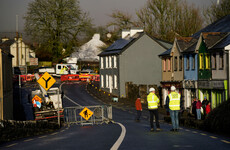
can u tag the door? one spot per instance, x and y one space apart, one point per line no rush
110 83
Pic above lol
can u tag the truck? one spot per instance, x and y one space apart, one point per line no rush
60 69
47 104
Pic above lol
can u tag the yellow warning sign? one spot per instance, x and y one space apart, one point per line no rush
36 98
46 81
86 113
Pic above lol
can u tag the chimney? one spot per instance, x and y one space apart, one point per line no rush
133 31
124 33
96 36
5 39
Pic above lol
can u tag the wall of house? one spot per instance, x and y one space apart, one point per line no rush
192 72
140 63
178 73
22 52
7 87
219 73
107 75
166 68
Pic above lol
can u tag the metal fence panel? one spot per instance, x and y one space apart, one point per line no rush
101 113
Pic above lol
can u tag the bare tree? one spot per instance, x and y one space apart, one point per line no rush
217 11
166 19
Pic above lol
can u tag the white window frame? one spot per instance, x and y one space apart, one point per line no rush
107 81
102 63
110 62
115 81
102 81
114 61
106 62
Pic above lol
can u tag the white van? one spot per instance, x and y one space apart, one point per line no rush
70 69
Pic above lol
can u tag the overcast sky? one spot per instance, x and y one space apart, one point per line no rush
98 9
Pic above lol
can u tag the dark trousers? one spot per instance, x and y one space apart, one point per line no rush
138 115
155 113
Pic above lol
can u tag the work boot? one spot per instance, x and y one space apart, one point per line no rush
151 129
159 129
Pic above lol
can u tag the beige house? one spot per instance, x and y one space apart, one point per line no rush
21 52
6 85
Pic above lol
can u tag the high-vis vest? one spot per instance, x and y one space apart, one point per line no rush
174 101
152 101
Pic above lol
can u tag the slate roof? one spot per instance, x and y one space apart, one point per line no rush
183 43
6 45
212 38
122 44
224 42
221 25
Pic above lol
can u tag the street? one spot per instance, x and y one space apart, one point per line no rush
137 135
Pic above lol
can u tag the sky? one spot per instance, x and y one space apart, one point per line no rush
99 10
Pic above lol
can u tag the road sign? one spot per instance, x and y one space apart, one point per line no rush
36 98
86 113
46 81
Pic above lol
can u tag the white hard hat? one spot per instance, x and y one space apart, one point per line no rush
173 88
151 89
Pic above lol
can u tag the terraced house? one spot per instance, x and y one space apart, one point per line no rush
205 57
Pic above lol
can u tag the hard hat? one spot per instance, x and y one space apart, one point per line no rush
173 88
151 89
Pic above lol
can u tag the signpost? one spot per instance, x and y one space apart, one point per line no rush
46 81
86 113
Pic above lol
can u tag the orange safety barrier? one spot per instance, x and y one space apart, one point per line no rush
85 77
30 77
97 78
23 78
64 78
73 77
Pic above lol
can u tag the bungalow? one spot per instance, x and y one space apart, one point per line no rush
133 58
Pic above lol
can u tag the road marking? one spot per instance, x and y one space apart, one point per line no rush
54 133
121 138
203 134
225 141
71 100
28 140
195 132
11 145
62 130
213 137
42 137
187 130
145 117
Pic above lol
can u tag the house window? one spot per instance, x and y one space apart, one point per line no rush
193 62
115 61
187 62
201 61
214 61
221 61
115 81
102 81
164 65
169 64
180 63
106 62
175 63
102 63
107 81
207 61
110 62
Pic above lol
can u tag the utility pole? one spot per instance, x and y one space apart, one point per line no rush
17 50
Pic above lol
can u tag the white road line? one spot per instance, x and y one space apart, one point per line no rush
54 133
213 137
71 100
42 137
225 141
11 145
28 140
121 138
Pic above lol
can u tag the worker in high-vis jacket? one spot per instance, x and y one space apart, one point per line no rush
153 102
173 103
